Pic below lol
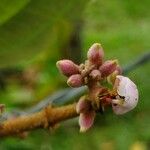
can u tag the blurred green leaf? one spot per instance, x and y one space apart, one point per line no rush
10 8
34 28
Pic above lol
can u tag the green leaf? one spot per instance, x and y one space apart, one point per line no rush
34 28
9 8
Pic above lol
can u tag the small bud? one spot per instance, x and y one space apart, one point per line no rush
112 77
127 97
95 74
83 105
108 67
86 120
118 70
75 80
67 67
95 54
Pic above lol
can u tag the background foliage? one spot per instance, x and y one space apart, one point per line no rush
34 34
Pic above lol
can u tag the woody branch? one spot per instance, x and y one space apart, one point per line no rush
47 117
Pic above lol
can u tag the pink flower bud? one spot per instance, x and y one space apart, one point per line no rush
108 67
95 74
112 77
75 80
127 97
118 70
95 54
86 120
67 67
83 105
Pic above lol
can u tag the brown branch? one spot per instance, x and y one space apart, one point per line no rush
43 119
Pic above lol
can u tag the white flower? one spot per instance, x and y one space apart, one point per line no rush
127 97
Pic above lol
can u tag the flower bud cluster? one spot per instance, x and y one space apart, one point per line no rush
123 96
94 68
71 70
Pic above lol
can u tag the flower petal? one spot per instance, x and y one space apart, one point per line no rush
86 120
118 110
127 91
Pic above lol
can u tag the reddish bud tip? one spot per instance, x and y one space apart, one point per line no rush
67 67
108 67
95 54
118 70
83 105
75 80
95 74
112 77
86 120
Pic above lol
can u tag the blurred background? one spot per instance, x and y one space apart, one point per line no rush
34 34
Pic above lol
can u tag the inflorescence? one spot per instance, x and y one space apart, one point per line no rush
96 73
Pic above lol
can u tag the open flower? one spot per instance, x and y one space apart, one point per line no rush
127 95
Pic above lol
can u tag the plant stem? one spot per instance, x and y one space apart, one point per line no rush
47 117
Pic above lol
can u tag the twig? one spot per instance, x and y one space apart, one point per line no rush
57 99
45 118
